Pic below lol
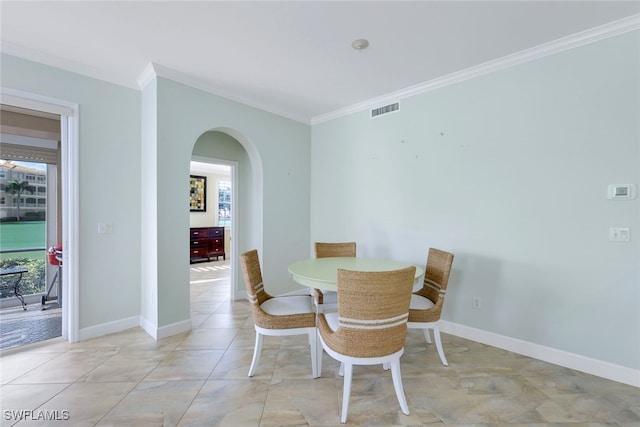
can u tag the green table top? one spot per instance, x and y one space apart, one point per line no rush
322 273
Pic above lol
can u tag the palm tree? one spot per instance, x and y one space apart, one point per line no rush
18 187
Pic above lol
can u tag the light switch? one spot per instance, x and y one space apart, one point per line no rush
619 234
105 228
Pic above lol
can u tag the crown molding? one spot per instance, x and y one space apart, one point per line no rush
65 64
602 32
148 74
154 70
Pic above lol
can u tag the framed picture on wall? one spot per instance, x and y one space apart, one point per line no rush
198 193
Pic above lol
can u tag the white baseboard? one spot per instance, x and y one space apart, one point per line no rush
108 328
149 327
580 363
173 329
165 331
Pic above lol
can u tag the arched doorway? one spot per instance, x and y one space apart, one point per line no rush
226 146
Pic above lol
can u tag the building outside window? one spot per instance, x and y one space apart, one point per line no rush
224 203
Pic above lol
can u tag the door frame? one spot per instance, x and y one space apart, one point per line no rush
234 215
69 139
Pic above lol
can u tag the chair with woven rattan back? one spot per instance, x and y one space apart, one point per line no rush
426 303
276 315
325 300
370 326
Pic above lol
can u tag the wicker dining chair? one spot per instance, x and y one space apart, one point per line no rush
325 300
370 326
276 315
426 303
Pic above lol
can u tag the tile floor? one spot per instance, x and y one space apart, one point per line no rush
200 378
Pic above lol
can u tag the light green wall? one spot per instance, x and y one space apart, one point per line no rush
109 177
509 171
278 150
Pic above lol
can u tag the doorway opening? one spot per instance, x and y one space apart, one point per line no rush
30 224
67 187
211 223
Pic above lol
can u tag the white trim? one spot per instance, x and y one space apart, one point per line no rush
118 78
36 102
577 362
164 331
156 70
146 77
173 329
69 124
585 37
109 328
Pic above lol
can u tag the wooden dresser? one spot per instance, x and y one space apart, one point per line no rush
205 243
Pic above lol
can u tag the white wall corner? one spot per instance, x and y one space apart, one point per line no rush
173 329
149 327
147 75
599 368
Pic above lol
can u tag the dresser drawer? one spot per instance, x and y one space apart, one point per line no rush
200 243
216 232
199 253
198 233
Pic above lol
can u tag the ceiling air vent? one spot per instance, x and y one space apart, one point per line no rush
391 108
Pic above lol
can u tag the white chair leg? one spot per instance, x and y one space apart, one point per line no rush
313 342
436 335
397 385
385 366
427 335
341 369
256 353
346 391
319 350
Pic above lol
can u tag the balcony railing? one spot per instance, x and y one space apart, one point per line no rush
34 281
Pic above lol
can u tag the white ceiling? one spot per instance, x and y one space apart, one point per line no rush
205 167
293 58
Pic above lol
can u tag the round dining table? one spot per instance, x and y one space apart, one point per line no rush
322 273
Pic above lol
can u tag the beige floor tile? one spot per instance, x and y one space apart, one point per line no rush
65 368
17 364
85 403
227 403
151 402
199 378
27 397
208 339
186 365
235 364
301 402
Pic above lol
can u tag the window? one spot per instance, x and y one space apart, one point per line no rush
224 203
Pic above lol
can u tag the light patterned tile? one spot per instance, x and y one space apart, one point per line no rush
186 365
200 378
235 403
153 403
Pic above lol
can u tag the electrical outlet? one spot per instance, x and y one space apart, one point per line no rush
619 234
476 302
